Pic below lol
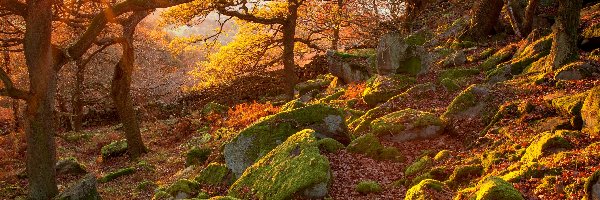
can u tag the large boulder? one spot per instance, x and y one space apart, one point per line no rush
550 142
574 71
427 189
258 139
349 67
381 88
475 102
592 187
396 54
491 188
84 189
295 167
69 166
320 83
590 113
407 124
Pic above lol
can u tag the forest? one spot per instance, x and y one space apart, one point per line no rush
299 99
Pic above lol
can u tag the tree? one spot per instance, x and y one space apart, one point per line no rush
564 42
485 16
44 60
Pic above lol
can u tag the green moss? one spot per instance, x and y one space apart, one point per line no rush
294 104
381 88
490 158
494 188
367 144
463 101
223 198
291 167
546 185
321 82
331 97
482 55
402 120
214 174
462 44
454 74
146 185
549 143
183 185
418 166
196 156
330 145
442 155
214 108
530 170
464 174
411 66
368 186
416 39
116 174
422 191
589 183
114 149
449 85
390 153
261 137
502 55
590 114
202 195
570 104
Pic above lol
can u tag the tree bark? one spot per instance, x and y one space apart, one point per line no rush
76 98
289 32
14 102
337 26
564 42
529 14
41 151
485 15
121 86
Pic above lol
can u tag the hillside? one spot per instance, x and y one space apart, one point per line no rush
421 116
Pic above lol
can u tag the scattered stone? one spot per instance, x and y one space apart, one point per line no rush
491 188
473 102
427 189
196 156
116 174
214 174
550 142
418 166
294 167
592 187
408 124
84 189
368 186
320 83
442 155
574 71
330 145
381 88
114 149
370 146
69 166
396 55
350 68
258 139
590 113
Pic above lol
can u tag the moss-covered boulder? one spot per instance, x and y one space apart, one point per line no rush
442 156
261 137
116 174
462 175
530 53
223 198
350 66
214 174
368 186
550 142
407 124
427 189
500 56
473 102
369 145
82 189
294 104
416 92
114 149
320 83
330 145
419 166
69 166
529 170
570 105
574 71
180 189
491 188
292 168
381 88
457 74
590 112
592 187
396 54
196 156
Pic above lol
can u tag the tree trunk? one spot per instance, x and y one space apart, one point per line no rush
41 151
564 43
289 32
529 14
15 103
76 98
337 26
121 85
485 15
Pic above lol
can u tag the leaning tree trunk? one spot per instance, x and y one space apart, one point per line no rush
564 43
485 16
39 121
289 32
77 97
121 86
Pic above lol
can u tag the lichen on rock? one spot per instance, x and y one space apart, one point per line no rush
381 88
407 124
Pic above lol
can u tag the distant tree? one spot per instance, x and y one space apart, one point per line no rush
485 14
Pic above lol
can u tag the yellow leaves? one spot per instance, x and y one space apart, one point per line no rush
186 13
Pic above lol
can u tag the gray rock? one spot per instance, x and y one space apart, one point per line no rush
349 70
69 166
85 189
394 56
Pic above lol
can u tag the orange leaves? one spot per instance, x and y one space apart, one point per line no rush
244 114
